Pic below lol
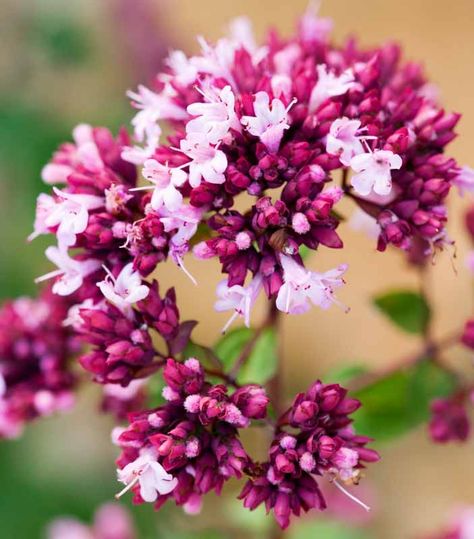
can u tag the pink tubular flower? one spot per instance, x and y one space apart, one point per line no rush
153 107
269 122
329 85
343 140
239 299
215 117
301 286
125 290
373 171
84 153
207 161
166 180
71 271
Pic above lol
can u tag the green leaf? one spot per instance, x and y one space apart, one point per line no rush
400 401
193 349
345 374
262 363
305 252
230 346
408 310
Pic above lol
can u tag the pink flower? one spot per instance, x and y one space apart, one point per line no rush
464 181
85 153
184 223
45 205
361 221
153 107
313 28
166 180
125 290
343 140
215 117
111 522
207 161
151 476
237 298
70 214
329 85
216 61
74 318
269 122
184 71
373 171
71 272
301 286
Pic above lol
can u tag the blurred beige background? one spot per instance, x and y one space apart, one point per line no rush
417 483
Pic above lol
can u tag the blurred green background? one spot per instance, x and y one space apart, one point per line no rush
62 63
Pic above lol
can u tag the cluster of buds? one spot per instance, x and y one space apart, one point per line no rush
314 438
36 350
190 445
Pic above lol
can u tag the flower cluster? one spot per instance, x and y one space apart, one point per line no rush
314 438
35 353
449 420
291 127
190 445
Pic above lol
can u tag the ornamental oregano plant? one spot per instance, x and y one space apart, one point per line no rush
296 125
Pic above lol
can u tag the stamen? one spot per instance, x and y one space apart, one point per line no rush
290 105
179 261
229 322
351 496
49 275
109 273
128 487
144 188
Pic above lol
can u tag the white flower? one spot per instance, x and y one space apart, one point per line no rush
125 290
269 122
166 180
215 117
237 298
153 479
207 161
70 214
71 272
374 171
329 85
301 286
343 141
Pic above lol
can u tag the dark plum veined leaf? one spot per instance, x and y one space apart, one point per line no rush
179 343
407 309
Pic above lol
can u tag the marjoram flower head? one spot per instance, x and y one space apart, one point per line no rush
264 142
